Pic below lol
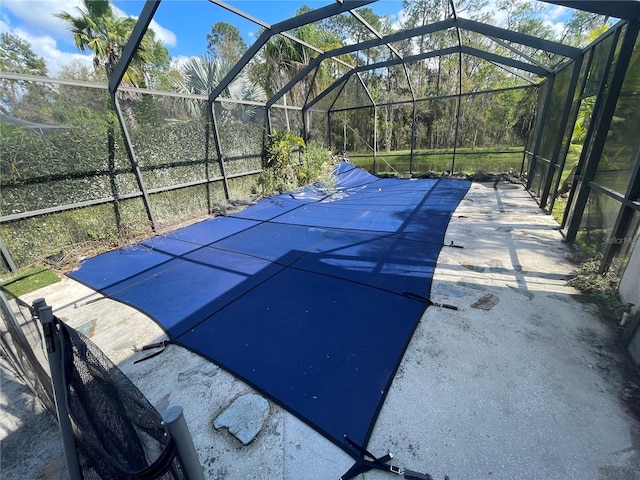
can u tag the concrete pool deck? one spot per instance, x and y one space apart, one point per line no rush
524 381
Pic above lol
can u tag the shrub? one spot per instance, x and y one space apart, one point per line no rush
290 163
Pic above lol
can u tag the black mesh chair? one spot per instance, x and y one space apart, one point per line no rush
109 429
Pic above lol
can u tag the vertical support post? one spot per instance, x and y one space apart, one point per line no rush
305 126
267 120
111 149
177 426
56 364
134 161
375 138
572 122
620 233
207 171
216 138
148 11
625 215
601 126
541 127
329 129
4 251
413 134
458 108
564 120
571 233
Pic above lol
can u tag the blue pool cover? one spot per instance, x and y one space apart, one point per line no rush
309 297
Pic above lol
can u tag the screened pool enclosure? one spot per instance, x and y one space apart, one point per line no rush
311 296
446 94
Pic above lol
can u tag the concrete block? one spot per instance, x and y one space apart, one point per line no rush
244 418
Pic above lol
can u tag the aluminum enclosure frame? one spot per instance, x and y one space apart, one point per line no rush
627 10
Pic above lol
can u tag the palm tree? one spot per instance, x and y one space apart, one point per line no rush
96 29
285 58
202 74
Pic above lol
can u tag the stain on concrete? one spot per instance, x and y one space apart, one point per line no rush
473 268
486 302
163 403
88 329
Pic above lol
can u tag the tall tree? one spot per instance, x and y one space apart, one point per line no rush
17 56
350 30
96 29
285 58
584 27
225 43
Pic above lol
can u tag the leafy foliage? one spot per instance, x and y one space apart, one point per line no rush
602 288
96 29
225 42
291 164
17 56
201 75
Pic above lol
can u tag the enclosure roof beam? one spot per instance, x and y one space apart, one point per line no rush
465 24
328 90
294 22
393 49
378 35
521 38
488 30
375 42
521 54
515 73
373 103
430 99
266 26
240 13
510 62
140 28
491 57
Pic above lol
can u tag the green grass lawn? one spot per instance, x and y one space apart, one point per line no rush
467 160
28 280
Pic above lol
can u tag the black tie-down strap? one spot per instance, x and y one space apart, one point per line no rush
367 461
420 298
161 345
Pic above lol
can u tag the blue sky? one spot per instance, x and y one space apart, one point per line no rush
181 25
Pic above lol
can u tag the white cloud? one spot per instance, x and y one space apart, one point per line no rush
554 17
40 14
555 13
164 35
35 22
46 46
399 19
